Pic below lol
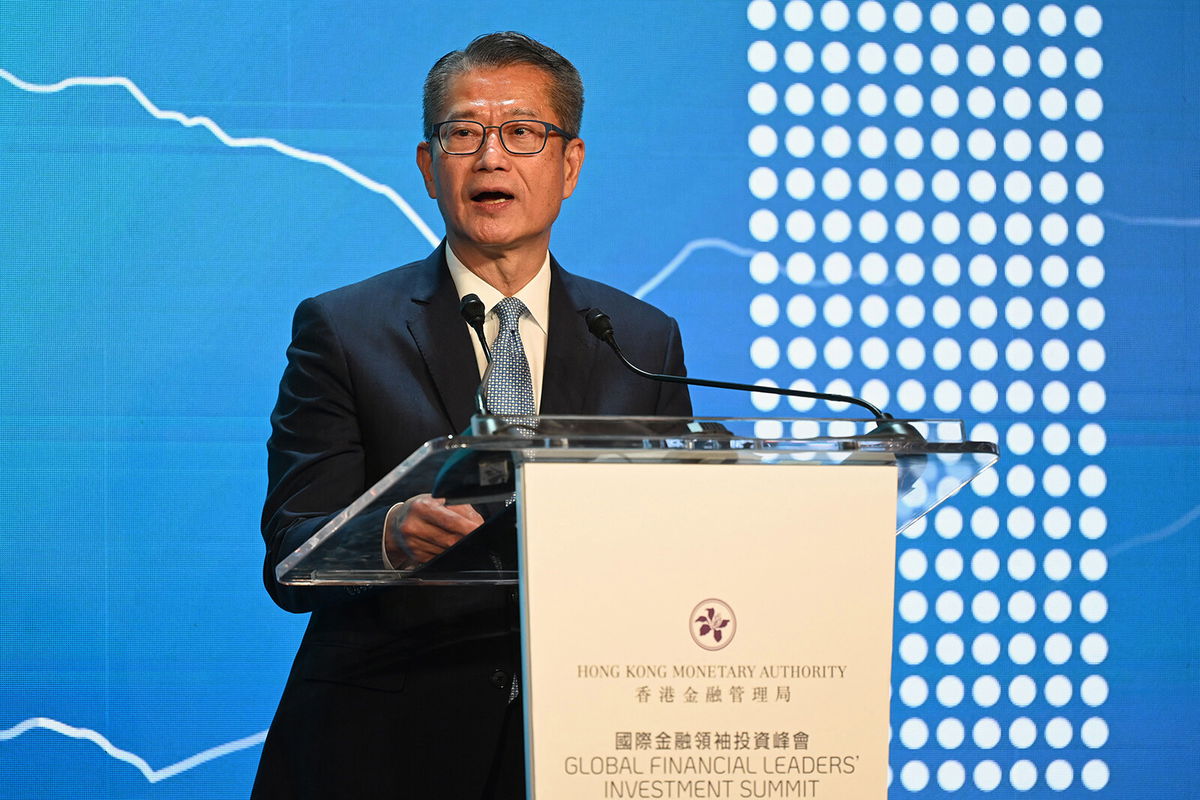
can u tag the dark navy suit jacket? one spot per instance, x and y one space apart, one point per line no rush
402 692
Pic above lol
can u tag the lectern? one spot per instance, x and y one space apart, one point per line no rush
706 603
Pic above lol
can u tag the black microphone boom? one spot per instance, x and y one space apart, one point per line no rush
601 327
470 476
911 467
472 311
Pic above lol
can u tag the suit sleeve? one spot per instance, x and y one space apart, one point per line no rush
673 398
315 458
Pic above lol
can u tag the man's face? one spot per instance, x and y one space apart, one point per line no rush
492 201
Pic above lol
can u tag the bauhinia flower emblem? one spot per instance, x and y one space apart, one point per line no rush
713 624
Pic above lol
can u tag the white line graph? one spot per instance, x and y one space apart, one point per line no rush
328 161
1165 532
233 141
152 775
45 723
1159 222
682 255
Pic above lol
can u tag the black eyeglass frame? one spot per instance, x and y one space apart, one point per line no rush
550 128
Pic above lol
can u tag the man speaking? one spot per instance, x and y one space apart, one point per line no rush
414 692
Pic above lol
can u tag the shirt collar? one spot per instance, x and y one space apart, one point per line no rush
535 294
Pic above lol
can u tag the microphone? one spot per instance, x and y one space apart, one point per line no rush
601 327
472 311
470 476
886 427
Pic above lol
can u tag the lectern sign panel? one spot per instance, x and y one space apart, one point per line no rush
707 631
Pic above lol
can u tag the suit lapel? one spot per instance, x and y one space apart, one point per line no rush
443 340
570 349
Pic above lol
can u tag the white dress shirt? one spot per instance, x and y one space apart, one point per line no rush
532 327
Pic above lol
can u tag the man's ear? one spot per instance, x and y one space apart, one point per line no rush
425 164
573 156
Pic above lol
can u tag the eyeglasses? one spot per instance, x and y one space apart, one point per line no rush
521 137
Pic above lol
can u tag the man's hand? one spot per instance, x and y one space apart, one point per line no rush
424 526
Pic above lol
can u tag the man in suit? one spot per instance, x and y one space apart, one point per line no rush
414 691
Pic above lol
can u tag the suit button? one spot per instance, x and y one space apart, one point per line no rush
500 679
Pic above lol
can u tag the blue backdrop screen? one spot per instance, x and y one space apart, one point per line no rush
982 210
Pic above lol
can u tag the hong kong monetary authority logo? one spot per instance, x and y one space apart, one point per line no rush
713 624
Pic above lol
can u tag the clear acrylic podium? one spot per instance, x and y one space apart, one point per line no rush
706 604
481 467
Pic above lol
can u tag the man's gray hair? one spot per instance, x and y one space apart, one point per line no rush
504 49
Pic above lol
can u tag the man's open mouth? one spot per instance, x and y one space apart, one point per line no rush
491 197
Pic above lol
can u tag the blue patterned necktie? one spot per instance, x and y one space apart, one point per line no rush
509 387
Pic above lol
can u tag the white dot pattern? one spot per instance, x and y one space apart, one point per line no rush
935 202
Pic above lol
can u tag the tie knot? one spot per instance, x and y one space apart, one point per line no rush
509 310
